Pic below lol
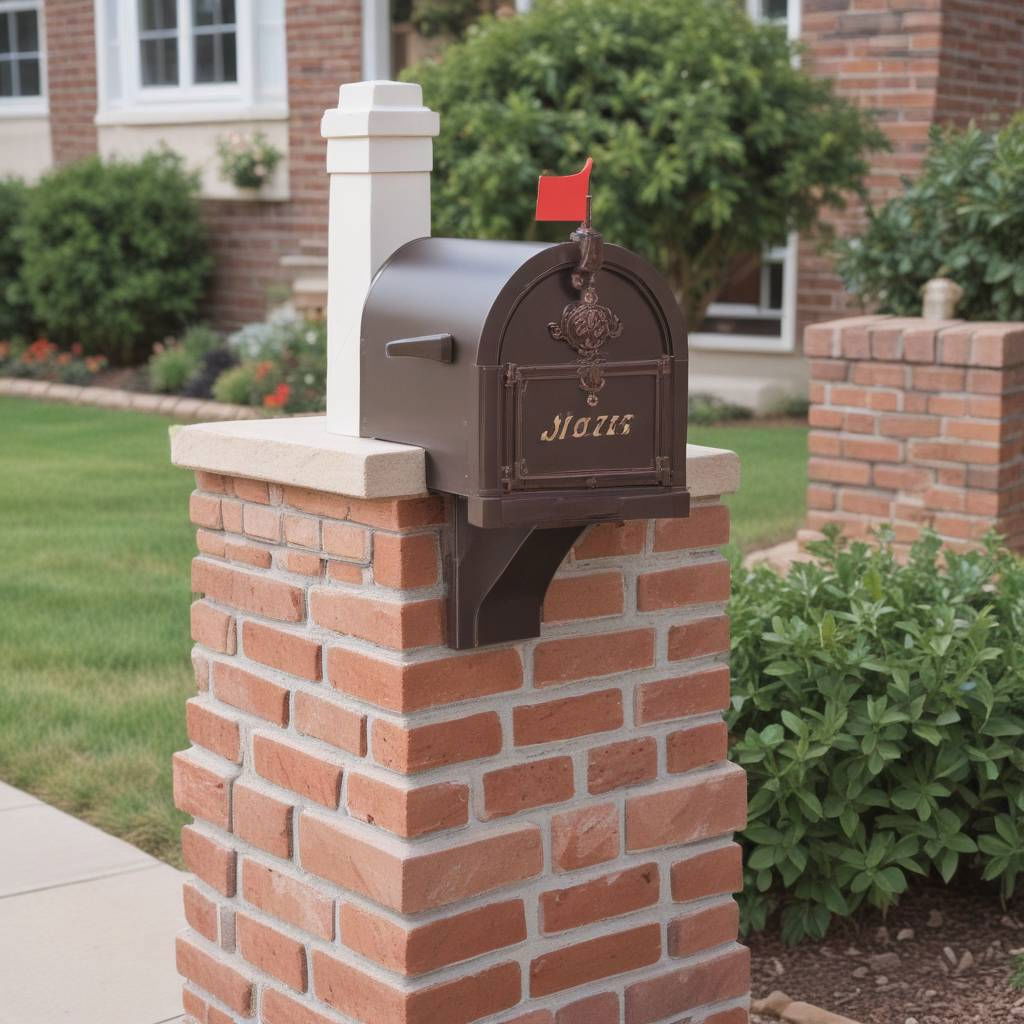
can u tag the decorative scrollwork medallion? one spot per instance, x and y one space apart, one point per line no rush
587 327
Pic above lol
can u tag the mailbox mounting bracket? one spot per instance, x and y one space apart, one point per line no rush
497 578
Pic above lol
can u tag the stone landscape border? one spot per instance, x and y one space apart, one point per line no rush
177 407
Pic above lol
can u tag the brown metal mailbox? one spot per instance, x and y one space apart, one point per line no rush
547 396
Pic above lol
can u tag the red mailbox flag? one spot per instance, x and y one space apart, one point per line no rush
564 197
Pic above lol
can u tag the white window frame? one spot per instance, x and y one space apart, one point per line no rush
187 101
788 253
28 106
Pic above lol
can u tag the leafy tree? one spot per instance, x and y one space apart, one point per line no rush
709 142
962 218
115 254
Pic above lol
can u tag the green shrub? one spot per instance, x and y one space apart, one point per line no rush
237 386
115 253
963 218
15 312
170 367
705 410
709 142
878 709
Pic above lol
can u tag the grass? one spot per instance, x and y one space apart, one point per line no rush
769 506
94 595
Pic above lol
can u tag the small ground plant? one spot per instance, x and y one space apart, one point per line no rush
878 708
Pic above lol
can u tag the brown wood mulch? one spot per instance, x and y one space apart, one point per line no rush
943 956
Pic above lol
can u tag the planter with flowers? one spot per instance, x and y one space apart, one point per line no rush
247 161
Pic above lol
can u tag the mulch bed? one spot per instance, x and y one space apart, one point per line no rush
943 956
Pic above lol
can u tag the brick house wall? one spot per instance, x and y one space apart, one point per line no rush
71 77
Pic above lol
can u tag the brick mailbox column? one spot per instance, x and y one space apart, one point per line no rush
919 424
391 832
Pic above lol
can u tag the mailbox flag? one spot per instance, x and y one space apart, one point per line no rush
564 197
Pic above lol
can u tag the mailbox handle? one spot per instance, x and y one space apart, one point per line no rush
437 347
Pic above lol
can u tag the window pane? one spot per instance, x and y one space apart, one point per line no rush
29 74
27 31
215 58
159 61
157 14
230 60
6 21
6 78
774 8
775 276
204 12
205 69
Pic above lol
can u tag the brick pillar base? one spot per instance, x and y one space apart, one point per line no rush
391 832
919 424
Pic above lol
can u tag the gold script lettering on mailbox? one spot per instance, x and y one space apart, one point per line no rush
587 426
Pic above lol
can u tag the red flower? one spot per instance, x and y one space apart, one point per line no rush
278 397
76 349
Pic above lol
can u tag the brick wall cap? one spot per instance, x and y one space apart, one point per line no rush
301 452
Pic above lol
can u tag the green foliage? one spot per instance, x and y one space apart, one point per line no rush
705 410
1017 978
963 218
708 142
15 313
114 253
878 709
43 360
170 368
247 161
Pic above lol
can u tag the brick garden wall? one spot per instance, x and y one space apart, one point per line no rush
917 424
390 831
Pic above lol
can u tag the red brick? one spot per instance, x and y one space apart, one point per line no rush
701 807
204 511
697 747
462 1001
277 1008
344 541
295 768
203 790
618 765
584 597
690 584
880 375
703 929
303 563
713 873
209 860
696 694
824 419
737 1015
838 471
605 897
820 442
902 478
272 951
288 898
599 1009
585 837
262 820
404 811
193 1006
212 482
413 687
405 562
251 490
301 531
919 345
262 523
385 513
521 787
579 657
872 450
293 653
212 628
212 730
726 976
846 394
976 430
429 947
818 497
828 369
248 591
396 624
707 526
231 513
210 543
328 721
938 378
699 638
596 958
564 719
947 405
200 912
248 554
859 423
420 748
344 572
865 503
610 540
208 972
251 693
343 853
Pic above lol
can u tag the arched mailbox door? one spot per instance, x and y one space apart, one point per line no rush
544 403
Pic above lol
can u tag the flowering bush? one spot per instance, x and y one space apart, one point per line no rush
43 360
283 366
247 162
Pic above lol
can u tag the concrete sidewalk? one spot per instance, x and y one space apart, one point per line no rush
87 923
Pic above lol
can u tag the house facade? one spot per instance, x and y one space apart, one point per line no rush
119 77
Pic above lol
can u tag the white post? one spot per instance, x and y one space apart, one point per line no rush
379 158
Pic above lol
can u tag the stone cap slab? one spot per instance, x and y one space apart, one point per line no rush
300 452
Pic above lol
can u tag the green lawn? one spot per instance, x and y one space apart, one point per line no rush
769 506
95 547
